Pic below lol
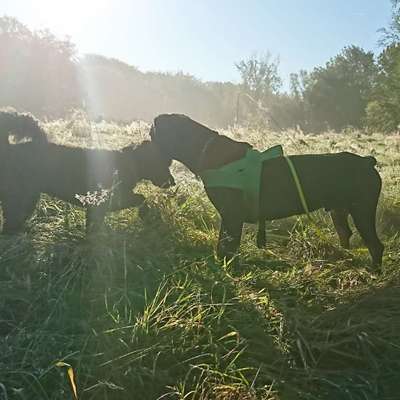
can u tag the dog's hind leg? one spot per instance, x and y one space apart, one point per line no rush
363 213
261 235
364 217
341 223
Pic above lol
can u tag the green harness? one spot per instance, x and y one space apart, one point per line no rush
245 175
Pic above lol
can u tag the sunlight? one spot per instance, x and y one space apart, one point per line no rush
76 18
69 17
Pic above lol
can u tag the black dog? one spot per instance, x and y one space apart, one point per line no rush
344 183
30 168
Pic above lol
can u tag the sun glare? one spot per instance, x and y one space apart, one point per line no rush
69 17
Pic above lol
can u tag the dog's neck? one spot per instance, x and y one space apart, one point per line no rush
203 152
209 152
221 150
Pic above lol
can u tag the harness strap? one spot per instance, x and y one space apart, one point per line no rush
298 186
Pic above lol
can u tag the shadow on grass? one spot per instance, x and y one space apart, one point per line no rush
341 338
145 310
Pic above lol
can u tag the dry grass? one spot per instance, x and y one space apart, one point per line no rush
143 311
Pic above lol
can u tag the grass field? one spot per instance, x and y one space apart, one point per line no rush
143 311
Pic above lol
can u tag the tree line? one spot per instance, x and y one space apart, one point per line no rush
42 74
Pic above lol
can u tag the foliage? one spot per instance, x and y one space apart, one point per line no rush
336 95
299 83
331 97
259 90
143 311
117 91
260 76
37 70
391 35
383 112
41 74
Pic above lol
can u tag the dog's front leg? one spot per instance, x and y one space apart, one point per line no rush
126 199
138 200
261 235
94 218
17 208
229 237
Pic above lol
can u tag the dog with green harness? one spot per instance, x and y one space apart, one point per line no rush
249 186
245 175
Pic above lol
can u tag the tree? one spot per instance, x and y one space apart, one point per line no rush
299 83
41 74
383 111
260 86
391 35
260 76
117 91
337 94
37 70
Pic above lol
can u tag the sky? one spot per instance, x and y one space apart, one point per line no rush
205 38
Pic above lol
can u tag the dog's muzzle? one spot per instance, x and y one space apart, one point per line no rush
170 182
167 183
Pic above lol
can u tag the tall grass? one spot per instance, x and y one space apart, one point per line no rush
143 311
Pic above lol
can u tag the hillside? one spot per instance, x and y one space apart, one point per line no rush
118 91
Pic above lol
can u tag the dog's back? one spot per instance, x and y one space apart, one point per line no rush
327 180
65 171
23 127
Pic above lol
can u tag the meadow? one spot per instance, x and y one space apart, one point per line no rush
143 310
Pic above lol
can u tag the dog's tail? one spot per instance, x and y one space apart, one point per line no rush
22 127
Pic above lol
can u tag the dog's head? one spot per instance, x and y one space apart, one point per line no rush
148 163
21 127
170 131
180 138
